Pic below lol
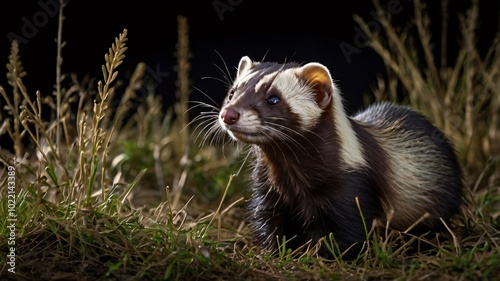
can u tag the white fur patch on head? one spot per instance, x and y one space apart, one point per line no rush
244 78
300 98
265 80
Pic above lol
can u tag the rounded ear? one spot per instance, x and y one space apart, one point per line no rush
245 64
318 78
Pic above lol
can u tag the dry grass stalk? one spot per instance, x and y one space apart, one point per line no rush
15 72
462 100
181 106
113 59
59 61
183 84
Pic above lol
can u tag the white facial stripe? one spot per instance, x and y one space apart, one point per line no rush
299 97
240 81
264 80
245 78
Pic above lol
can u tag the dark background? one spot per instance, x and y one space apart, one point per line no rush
301 31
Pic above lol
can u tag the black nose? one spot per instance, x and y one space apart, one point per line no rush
230 116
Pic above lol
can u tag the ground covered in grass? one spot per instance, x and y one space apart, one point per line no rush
90 195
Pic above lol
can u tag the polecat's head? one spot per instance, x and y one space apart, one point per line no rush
270 101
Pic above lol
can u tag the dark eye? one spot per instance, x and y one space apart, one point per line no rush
273 100
231 94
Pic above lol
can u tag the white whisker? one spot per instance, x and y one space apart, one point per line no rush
226 74
223 81
205 94
202 104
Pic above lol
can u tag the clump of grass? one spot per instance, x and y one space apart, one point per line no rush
74 202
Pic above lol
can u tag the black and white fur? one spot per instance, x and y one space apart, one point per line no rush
312 160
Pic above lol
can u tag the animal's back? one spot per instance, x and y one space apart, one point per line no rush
423 170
